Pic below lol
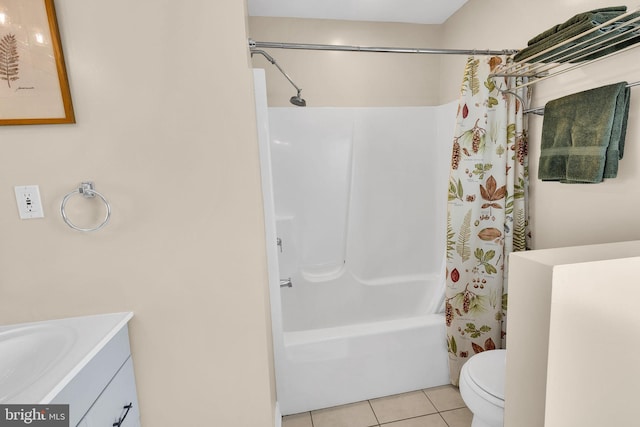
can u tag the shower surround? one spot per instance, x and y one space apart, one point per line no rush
355 210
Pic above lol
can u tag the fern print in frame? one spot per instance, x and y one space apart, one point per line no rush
9 65
34 88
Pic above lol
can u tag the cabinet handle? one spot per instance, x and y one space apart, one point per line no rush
121 420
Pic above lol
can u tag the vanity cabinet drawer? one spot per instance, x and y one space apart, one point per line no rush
89 383
117 403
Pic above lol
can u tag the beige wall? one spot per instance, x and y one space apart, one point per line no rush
561 214
165 127
346 79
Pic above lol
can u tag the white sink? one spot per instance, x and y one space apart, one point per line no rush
26 353
38 359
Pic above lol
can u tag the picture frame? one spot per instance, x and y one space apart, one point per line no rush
34 87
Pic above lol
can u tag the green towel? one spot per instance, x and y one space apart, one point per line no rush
604 41
577 19
583 135
615 151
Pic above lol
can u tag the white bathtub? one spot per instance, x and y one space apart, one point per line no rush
362 232
334 366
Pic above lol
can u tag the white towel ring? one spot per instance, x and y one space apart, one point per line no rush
87 191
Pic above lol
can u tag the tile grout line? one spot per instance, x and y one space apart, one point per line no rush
444 410
409 418
439 411
445 421
430 401
452 409
374 412
412 418
379 424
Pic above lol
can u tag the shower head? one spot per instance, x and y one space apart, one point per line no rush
295 100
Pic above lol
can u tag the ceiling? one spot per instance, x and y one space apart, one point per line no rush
409 11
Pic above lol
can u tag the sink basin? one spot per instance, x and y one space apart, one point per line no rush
39 359
26 353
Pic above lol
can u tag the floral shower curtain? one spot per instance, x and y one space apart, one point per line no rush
487 215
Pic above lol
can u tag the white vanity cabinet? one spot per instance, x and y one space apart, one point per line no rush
103 392
117 405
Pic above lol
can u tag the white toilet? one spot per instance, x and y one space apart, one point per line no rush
482 387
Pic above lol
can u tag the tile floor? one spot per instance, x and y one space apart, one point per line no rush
433 407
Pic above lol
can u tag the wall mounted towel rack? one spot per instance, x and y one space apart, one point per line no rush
87 191
540 110
603 41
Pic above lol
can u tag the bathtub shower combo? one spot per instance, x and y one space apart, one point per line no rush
355 209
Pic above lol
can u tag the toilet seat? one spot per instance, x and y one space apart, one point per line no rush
485 375
487 371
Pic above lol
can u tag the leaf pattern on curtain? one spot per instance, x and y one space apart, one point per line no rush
487 214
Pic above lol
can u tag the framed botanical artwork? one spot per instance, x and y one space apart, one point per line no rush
34 88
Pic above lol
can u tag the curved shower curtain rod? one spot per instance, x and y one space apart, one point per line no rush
346 48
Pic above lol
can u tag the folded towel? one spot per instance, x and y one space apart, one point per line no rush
583 135
576 19
593 45
615 151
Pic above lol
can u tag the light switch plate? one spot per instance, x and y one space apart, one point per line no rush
29 203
